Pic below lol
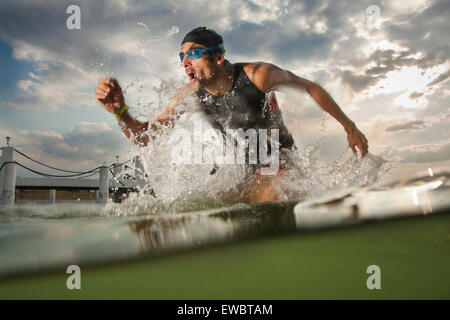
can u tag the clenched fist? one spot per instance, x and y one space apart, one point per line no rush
109 94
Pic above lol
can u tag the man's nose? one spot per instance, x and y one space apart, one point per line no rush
186 61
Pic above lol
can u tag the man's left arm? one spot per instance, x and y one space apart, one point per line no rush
269 77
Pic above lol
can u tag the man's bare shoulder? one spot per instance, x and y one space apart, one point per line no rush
262 74
258 68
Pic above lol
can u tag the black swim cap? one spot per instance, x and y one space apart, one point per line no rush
203 36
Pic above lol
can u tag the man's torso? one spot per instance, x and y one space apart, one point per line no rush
244 107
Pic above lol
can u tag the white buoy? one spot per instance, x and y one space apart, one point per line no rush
9 176
52 195
103 188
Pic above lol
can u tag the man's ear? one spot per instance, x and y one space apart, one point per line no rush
220 59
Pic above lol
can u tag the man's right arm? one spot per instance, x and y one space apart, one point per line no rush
109 94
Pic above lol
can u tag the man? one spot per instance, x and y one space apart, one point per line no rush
231 96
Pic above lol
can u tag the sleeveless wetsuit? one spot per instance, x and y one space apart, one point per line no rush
244 107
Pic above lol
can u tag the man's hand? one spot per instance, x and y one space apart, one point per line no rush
109 94
356 138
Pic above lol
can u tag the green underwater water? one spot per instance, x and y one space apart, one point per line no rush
412 254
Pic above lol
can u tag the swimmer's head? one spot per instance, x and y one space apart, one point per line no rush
202 55
204 36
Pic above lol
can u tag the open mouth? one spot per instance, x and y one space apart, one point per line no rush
191 76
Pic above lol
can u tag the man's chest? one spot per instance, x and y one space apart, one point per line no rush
235 110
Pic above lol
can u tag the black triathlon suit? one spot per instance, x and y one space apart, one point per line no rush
244 107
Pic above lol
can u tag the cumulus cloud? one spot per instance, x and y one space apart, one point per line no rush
411 125
419 153
357 82
323 40
115 41
68 63
86 140
441 78
415 95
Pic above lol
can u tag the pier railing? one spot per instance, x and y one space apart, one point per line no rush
69 180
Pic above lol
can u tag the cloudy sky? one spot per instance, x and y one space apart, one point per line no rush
385 62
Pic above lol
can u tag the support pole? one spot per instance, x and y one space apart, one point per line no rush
117 170
103 188
52 195
1 177
9 177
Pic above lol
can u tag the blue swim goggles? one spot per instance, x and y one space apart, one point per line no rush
196 53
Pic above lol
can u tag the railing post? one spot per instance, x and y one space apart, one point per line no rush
52 195
1 177
117 170
103 187
9 176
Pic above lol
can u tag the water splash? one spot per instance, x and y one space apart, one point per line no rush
169 187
